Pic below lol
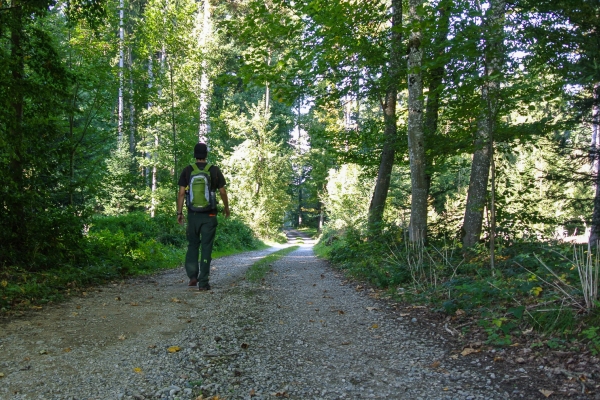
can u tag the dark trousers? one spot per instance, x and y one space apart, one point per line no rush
201 231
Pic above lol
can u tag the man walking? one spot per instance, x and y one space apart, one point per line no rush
201 217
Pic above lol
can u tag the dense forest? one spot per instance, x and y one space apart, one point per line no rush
447 147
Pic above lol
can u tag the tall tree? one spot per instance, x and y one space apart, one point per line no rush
388 105
416 136
493 59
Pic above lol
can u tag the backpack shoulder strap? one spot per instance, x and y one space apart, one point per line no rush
195 168
207 167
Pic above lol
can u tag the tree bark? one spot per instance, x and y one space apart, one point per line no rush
416 138
480 168
595 149
435 87
121 59
203 128
382 184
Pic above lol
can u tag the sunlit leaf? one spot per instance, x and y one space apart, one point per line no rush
173 349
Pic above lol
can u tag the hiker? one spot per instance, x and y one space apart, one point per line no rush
197 185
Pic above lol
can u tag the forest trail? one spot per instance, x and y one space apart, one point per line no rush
302 333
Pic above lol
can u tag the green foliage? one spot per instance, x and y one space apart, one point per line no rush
520 294
593 336
114 247
259 171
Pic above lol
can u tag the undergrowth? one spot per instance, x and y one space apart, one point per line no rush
535 286
113 248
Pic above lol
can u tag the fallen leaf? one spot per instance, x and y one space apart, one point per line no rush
454 356
74 314
175 300
435 364
122 337
118 298
498 359
4 283
374 326
244 345
43 352
345 343
468 351
309 302
1 375
252 392
67 349
281 394
404 314
173 349
36 307
546 393
152 346
514 345
134 304
137 370
340 312
311 320
78 307
371 308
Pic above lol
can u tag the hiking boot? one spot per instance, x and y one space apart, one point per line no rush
193 282
204 288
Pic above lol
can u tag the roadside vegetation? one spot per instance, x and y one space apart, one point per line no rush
113 248
536 293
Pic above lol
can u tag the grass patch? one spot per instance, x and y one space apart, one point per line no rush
259 269
312 232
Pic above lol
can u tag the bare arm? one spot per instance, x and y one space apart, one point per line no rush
223 193
180 198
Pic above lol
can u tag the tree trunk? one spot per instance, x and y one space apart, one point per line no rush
203 128
121 57
416 138
17 60
389 114
595 149
435 88
480 168
299 205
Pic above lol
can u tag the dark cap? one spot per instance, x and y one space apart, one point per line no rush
200 151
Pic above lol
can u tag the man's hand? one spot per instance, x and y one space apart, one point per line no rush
226 210
180 219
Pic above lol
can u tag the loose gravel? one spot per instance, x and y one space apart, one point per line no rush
302 333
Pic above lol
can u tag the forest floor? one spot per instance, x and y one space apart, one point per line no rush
305 332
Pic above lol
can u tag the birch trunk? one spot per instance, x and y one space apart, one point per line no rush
382 183
121 57
416 137
203 128
595 149
480 168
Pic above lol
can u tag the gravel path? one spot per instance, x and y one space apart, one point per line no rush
302 333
